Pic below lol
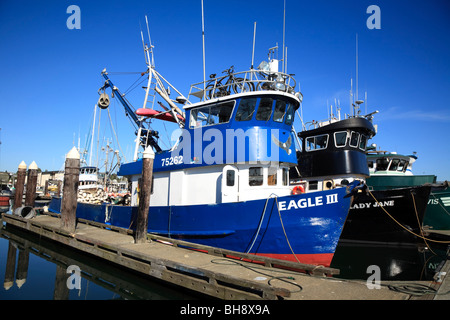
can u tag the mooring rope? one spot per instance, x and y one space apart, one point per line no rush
417 235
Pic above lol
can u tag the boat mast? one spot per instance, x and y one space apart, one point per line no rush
92 136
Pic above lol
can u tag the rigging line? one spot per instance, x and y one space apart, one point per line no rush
418 222
223 261
130 88
259 224
115 135
124 72
440 204
284 231
419 236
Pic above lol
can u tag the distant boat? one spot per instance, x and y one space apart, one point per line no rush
5 197
390 170
5 192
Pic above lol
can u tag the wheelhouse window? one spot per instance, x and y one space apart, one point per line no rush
289 114
264 109
211 115
354 139
382 164
363 142
255 176
319 142
402 165
280 109
246 109
340 139
394 165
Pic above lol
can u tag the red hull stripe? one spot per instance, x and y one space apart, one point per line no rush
320 259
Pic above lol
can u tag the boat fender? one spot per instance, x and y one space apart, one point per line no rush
298 190
25 212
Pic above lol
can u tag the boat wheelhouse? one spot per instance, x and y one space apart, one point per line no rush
390 170
333 153
89 178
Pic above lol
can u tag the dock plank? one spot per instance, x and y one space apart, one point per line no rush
217 276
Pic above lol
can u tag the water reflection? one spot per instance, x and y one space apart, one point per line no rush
33 276
396 262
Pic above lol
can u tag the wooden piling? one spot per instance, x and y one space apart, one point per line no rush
20 182
140 235
70 191
30 194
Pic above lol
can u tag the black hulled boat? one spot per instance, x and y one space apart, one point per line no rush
334 153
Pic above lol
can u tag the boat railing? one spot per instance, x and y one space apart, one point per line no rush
240 82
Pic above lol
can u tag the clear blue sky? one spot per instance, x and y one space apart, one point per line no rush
49 75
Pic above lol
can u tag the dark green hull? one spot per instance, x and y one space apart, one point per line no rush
383 182
437 214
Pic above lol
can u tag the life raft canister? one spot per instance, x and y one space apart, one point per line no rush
298 190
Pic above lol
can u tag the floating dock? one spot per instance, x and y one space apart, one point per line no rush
215 272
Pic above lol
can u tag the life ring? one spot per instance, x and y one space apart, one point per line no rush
298 190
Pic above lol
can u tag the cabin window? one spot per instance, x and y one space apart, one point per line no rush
370 164
280 109
285 176
212 114
313 185
272 176
394 165
402 165
382 164
340 139
289 114
354 139
317 142
255 176
246 109
230 178
264 109
362 142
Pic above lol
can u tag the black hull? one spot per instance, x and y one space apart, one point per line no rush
368 222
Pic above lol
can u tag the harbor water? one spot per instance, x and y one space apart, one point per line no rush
34 268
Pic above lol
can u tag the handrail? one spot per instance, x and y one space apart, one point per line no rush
257 80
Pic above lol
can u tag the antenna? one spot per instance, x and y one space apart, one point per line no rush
365 99
285 69
254 36
351 96
356 66
203 40
284 32
150 40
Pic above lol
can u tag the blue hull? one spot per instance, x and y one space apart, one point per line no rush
311 223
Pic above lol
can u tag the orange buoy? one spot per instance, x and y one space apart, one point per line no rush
298 190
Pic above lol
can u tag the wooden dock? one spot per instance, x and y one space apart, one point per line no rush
205 270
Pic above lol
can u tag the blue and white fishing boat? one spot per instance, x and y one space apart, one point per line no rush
225 182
